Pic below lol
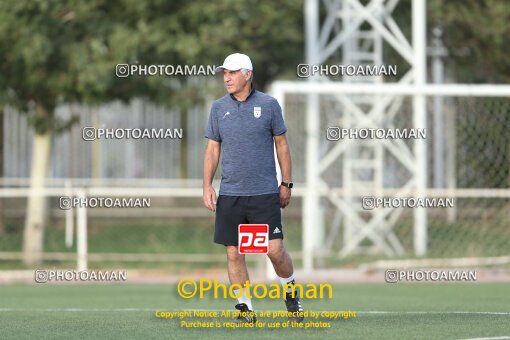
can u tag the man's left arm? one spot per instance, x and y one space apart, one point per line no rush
283 154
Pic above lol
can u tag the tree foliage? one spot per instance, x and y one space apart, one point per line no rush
66 51
477 35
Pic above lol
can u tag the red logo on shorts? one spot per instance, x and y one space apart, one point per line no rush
253 238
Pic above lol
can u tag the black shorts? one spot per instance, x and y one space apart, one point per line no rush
234 210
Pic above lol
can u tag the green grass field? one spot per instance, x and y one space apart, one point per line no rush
407 311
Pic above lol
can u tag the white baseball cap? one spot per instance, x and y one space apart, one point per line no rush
235 62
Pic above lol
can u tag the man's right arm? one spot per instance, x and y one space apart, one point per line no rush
211 160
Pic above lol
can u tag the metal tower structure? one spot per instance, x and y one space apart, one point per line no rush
359 32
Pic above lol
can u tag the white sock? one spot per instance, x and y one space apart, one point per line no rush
287 281
243 298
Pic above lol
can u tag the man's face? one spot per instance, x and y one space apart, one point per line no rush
235 81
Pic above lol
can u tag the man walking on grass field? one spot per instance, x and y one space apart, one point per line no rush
244 126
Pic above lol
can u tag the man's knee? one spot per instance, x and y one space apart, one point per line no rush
276 249
233 254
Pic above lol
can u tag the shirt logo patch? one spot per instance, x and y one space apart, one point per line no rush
226 114
257 111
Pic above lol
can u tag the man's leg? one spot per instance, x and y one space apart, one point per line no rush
238 273
236 264
281 260
282 264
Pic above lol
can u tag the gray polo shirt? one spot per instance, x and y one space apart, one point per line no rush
245 131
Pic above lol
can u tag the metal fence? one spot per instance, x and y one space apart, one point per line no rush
177 228
72 157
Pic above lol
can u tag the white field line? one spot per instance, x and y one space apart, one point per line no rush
493 338
217 310
505 337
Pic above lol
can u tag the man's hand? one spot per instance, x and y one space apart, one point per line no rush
283 154
284 196
211 159
210 198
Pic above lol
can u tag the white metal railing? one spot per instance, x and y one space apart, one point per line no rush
417 90
445 90
83 257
